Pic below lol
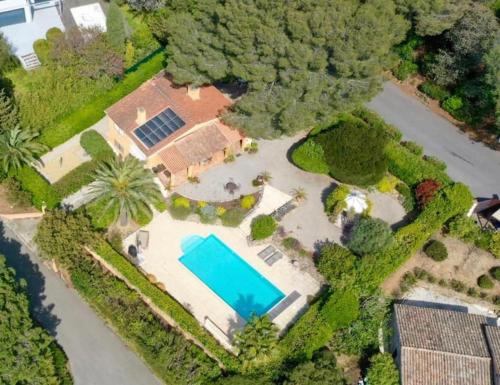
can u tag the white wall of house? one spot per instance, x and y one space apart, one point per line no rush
11 5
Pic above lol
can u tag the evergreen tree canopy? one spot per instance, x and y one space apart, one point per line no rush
116 27
354 152
322 370
382 370
7 59
302 60
9 117
25 355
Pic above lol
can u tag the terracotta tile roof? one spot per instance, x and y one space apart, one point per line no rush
424 367
441 330
493 338
160 93
198 146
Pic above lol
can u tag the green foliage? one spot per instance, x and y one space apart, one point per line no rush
232 217
495 272
61 365
354 152
387 184
308 74
434 91
174 359
485 282
100 218
208 214
53 34
93 111
436 250
62 234
42 192
9 114
26 353
74 180
180 207
16 196
322 370
466 229
95 145
310 157
163 301
18 148
374 120
405 69
7 59
247 202
370 235
42 50
115 30
263 226
453 103
335 201
337 265
341 308
494 246
257 342
382 370
126 184
413 147
436 162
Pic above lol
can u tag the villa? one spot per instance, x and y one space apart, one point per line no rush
176 130
22 22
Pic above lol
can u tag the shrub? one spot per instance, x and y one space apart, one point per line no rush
232 217
382 370
376 121
337 265
291 243
76 179
115 240
436 162
452 104
310 157
407 199
405 69
220 211
42 50
181 202
341 308
354 152
16 196
95 145
436 250
263 226
53 34
335 201
485 282
457 285
413 147
426 191
494 245
247 202
387 184
434 91
208 214
100 216
495 272
370 235
43 194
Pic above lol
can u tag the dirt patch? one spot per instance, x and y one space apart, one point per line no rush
465 263
478 134
7 208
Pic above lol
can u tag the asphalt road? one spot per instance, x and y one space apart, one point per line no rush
469 162
97 356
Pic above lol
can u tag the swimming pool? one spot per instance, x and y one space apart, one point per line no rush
230 277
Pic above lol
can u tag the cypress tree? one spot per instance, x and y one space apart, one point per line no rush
115 25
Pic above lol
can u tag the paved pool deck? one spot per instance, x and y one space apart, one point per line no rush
161 259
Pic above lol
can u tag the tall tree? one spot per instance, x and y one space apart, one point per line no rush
116 27
7 59
9 115
128 188
303 61
19 148
492 60
382 370
25 354
322 370
433 17
257 341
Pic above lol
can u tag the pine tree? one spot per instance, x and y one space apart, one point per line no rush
8 112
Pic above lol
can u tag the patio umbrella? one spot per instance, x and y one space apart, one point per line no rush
356 201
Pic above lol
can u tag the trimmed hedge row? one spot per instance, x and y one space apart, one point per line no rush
165 302
76 179
92 112
95 145
43 193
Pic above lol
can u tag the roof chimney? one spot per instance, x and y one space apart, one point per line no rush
141 116
193 92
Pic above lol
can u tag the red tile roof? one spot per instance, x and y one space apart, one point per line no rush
160 93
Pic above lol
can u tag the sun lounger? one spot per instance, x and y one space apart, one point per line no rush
267 252
283 305
275 257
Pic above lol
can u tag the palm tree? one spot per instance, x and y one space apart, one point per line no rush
299 194
257 341
128 188
18 148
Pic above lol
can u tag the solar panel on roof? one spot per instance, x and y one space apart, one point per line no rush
162 125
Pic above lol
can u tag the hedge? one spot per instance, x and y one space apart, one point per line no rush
310 157
95 145
74 180
92 112
40 189
165 303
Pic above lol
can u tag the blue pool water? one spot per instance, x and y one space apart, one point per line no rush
230 277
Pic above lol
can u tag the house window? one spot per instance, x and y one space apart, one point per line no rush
118 146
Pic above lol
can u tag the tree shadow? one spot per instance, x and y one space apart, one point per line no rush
35 281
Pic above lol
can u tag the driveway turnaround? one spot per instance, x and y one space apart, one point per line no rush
469 162
97 356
